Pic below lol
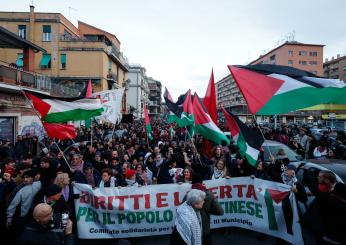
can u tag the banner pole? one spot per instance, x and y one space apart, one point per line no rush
265 142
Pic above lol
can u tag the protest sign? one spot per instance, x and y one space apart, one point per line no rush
254 204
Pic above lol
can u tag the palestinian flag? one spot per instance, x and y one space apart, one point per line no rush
171 116
61 109
147 123
204 125
274 89
248 141
60 131
182 110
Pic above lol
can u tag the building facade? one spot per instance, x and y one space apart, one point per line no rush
74 55
308 57
335 68
138 90
155 100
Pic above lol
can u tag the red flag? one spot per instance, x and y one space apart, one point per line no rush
89 90
60 131
209 100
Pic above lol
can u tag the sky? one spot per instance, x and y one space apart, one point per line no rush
180 41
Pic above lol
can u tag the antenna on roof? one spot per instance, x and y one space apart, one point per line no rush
69 12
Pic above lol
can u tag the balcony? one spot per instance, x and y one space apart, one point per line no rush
10 75
13 79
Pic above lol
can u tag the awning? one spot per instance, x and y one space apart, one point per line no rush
19 61
45 60
63 58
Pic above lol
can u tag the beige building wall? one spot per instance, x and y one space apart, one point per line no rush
306 62
91 60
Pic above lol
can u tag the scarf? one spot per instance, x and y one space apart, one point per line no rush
131 182
189 224
112 183
217 173
288 180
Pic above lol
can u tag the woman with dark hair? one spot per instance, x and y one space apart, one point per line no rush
219 171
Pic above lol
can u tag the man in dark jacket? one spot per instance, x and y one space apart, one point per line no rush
46 229
210 206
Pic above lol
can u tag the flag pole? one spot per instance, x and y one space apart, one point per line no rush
91 131
36 113
194 146
265 142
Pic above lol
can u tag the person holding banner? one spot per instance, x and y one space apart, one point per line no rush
188 222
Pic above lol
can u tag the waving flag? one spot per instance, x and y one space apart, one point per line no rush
204 125
60 109
274 89
182 109
248 141
148 128
60 131
209 100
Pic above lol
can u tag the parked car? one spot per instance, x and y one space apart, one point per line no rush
272 147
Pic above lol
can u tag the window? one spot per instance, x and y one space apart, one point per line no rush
314 53
67 36
22 31
314 72
302 53
302 62
290 53
63 61
313 62
19 61
109 64
46 33
344 67
45 61
290 62
272 59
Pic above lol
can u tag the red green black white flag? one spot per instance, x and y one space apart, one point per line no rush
248 140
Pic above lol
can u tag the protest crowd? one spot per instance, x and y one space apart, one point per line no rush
36 189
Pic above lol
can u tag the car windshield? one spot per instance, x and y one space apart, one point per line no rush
273 149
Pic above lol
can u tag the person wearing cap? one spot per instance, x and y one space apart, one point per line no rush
89 175
52 195
45 228
7 185
24 200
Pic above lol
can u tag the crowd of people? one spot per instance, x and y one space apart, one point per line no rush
36 189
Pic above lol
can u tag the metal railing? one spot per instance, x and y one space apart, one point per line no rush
12 75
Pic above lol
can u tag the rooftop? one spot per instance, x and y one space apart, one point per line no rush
294 43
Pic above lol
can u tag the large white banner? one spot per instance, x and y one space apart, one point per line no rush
111 102
254 204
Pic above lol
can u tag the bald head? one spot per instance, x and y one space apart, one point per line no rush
42 213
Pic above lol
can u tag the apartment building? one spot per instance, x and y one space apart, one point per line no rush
308 57
335 67
155 101
138 90
74 55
